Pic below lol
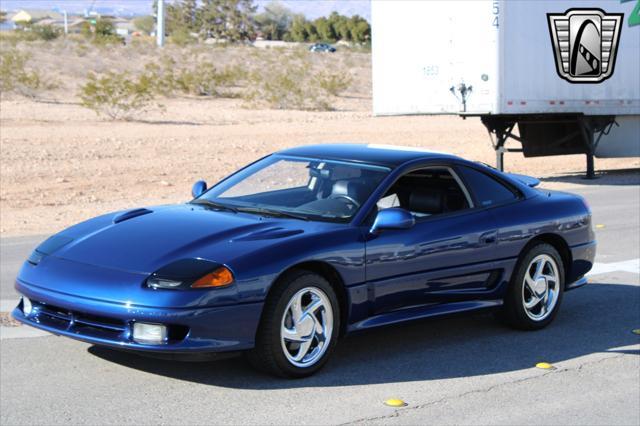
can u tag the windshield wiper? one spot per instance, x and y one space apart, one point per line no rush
214 205
268 212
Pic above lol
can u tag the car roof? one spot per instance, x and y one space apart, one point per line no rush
384 155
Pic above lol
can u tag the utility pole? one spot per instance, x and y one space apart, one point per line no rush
66 22
160 24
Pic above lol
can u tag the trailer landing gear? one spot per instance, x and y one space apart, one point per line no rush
548 134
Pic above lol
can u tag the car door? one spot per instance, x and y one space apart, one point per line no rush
443 257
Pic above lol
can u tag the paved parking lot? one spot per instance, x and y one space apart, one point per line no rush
450 371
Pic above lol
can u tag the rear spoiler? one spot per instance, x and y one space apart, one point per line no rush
527 180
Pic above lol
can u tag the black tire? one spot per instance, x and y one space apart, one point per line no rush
514 312
268 355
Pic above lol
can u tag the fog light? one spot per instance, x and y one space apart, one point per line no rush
27 307
149 333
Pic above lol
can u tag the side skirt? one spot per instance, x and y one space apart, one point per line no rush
425 311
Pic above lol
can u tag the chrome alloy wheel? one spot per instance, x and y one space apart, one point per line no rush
306 327
541 287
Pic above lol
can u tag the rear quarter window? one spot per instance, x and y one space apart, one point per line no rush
486 190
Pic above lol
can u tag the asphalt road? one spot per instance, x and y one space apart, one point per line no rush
451 371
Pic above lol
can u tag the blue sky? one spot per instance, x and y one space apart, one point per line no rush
311 8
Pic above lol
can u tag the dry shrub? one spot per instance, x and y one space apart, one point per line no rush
117 96
334 83
17 77
285 78
285 87
291 84
142 44
46 32
162 76
182 37
200 79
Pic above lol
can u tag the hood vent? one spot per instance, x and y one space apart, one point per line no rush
130 215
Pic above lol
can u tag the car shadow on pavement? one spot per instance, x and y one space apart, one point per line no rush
597 318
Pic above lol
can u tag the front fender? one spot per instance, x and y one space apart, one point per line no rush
343 249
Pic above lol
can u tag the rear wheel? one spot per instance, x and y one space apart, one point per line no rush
299 326
536 289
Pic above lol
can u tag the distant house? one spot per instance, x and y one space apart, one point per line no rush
123 26
28 16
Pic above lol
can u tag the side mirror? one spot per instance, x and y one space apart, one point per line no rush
198 188
392 218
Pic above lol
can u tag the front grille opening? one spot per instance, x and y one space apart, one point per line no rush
95 325
81 317
49 308
62 318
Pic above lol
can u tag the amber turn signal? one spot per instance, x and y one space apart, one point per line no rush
218 278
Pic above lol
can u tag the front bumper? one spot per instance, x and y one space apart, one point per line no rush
211 329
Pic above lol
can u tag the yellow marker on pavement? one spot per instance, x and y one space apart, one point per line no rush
393 402
636 331
599 226
545 366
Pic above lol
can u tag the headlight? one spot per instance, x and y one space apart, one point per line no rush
191 273
157 282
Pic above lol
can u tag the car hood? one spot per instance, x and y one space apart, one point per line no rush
143 240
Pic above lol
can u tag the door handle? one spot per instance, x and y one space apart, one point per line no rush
489 237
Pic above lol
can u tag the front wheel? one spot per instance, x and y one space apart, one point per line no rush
536 289
299 326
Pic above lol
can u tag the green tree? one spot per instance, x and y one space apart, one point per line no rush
145 24
298 30
181 16
172 17
360 29
324 29
340 25
105 28
102 32
189 14
231 20
275 21
3 16
312 32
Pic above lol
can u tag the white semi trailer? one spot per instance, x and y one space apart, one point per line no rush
496 59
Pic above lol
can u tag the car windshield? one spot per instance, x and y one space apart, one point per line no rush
301 188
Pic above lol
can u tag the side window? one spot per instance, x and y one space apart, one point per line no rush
486 189
426 192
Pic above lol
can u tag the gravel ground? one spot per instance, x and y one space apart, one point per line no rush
6 320
60 164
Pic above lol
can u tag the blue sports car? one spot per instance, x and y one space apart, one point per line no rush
285 256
